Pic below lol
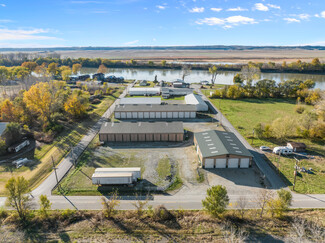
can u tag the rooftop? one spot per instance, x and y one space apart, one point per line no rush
123 169
3 126
124 174
142 127
214 143
128 101
148 108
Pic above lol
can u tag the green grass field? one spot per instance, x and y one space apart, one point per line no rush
245 114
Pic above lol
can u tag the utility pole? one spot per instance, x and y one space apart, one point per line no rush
295 174
72 156
279 160
253 137
56 176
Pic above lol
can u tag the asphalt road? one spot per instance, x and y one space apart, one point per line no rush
273 178
68 162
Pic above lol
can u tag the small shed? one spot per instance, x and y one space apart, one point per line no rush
297 147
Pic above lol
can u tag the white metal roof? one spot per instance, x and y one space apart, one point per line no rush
140 101
144 90
111 175
98 170
194 99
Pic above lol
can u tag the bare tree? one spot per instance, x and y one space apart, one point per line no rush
242 204
110 204
140 205
186 71
263 197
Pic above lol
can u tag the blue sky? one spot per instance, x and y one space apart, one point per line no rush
44 23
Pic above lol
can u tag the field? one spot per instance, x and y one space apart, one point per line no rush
247 113
41 166
170 226
233 56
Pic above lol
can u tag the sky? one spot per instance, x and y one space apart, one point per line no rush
56 23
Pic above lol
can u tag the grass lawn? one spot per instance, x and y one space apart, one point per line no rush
58 148
245 114
163 168
78 181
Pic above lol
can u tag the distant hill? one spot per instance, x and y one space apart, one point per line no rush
211 47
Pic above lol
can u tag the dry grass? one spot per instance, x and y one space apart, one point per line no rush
179 226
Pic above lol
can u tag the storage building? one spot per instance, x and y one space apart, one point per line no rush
218 149
194 99
144 91
297 147
112 178
141 101
177 111
136 171
141 132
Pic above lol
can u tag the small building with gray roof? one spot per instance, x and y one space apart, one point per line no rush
142 132
176 111
219 149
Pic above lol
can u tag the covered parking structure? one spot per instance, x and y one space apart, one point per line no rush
142 132
219 149
177 111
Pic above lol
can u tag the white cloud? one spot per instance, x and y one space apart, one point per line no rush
5 21
292 20
274 6
261 7
19 34
322 14
317 15
216 9
304 16
131 42
227 23
161 7
238 9
2 5
197 10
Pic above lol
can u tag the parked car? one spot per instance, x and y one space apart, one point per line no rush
264 148
20 162
282 150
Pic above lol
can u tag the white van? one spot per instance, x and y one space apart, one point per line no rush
282 150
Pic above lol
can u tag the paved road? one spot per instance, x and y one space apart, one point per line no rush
274 179
66 164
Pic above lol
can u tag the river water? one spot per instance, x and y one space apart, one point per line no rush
223 77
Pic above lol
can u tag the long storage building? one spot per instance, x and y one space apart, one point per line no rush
144 91
218 149
136 171
112 179
141 132
141 101
177 111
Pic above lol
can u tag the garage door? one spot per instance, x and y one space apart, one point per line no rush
244 163
140 115
169 114
117 115
187 114
146 115
175 114
163 114
209 163
221 163
233 163
134 114
123 115
152 114
158 115
181 114
129 114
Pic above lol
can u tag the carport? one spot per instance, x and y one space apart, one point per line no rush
218 149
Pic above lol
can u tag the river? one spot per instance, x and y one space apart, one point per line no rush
223 77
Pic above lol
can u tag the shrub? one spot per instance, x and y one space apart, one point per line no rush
162 213
68 214
3 213
299 109
109 206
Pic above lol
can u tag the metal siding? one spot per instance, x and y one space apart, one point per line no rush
134 114
179 137
156 137
244 163
209 163
233 162
221 163
164 137
126 137
123 115
117 115
175 114
134 137
181 114
142 137
129 115
172 137
193 114
118 137
169 114
110 137
149 137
